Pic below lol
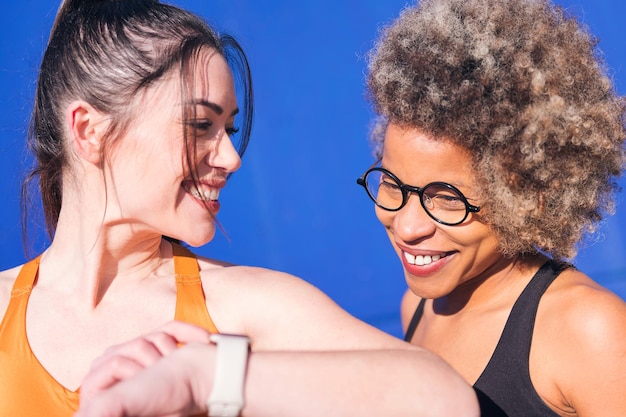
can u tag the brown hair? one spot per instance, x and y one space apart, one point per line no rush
106 52
520 85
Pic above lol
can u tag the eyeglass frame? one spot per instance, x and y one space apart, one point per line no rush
407 189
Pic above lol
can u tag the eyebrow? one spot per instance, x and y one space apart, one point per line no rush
456 184
213 106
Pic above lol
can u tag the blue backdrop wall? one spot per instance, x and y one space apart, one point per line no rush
294 205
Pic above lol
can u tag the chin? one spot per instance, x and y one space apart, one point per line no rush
431 290
198 242
196 239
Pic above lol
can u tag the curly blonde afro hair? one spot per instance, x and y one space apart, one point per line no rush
521 86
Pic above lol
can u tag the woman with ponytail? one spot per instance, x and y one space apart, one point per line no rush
133 131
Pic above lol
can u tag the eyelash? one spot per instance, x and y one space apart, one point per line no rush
205 125
199 125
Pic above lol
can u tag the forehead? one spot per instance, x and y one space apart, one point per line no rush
211 77
207 78
419 158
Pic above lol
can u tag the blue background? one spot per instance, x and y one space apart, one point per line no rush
294 205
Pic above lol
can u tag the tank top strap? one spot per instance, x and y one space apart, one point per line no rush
12 320
26 277
506 378
517 334
417 316
29 389
190 300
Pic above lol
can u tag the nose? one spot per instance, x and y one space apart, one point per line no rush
224 155
411 222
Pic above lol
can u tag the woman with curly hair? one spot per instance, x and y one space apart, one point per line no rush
499 142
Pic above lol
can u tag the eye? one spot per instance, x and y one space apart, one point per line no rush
444 198
232 130
448 199
390 185
389 188
199 125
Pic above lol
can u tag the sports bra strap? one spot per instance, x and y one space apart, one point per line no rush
410 331
190 301
26 277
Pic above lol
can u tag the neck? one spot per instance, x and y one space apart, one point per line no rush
88 255
495 287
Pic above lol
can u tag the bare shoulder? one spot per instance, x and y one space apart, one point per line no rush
583 305
7 278
281 311
256 285
250 278
582 312
581 339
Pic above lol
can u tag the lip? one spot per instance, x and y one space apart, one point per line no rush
424 270
213 206
207 205
215 182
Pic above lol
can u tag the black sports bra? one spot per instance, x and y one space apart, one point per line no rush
504 388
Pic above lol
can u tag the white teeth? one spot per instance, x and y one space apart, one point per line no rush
409 258
194 192
207 194
421 260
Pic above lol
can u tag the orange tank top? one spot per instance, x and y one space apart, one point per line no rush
26 388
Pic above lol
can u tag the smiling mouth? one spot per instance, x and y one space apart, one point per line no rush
203 193
421 260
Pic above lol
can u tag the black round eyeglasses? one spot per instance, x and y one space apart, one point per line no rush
443 202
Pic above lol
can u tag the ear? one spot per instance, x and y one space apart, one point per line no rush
86 128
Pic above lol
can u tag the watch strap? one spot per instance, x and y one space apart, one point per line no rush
226 399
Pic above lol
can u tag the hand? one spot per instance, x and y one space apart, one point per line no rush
150 375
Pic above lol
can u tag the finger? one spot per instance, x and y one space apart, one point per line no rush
107 374
123 361
144 350
161 342
185 332
100 407
161 390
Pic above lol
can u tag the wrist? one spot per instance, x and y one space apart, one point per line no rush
198 367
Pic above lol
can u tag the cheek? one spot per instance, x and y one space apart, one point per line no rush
384 217
477 235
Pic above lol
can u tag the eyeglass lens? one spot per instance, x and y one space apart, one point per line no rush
443 203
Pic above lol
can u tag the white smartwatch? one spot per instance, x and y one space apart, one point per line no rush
226 399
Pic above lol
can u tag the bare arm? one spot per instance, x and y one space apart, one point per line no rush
367 383
281 312
309 358
346 383
590 339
